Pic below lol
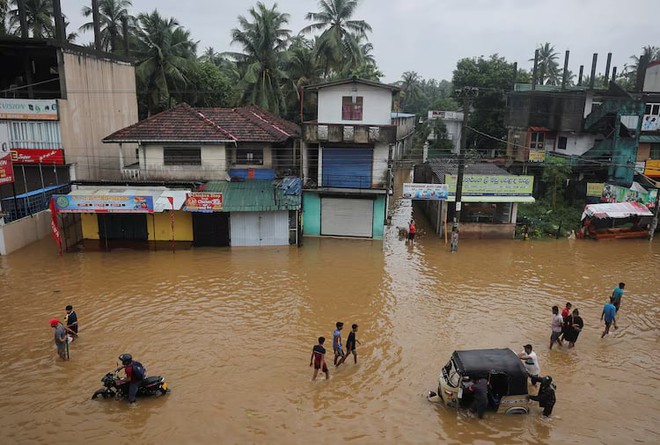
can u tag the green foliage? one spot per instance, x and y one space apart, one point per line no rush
111 13
541 220
548 71
493 76
208 86
39 15
555 173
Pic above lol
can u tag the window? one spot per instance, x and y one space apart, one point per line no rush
652 109
655 151
182 156
562 142
351 108
536 141
250 156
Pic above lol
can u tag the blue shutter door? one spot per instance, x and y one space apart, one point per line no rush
347 167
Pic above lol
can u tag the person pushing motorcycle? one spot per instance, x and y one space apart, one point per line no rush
135 373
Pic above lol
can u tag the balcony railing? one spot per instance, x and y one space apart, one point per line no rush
341 133
131 172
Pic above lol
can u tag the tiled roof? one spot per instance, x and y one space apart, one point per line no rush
334 83
186 124
256 195
449 166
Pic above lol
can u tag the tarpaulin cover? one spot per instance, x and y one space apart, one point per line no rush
615 210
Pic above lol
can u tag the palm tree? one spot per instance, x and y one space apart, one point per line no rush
548 67
4 4
264 41
411 89
649 54
111 14
337 42
39 15
165 55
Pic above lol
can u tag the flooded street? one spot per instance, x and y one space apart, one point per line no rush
232 331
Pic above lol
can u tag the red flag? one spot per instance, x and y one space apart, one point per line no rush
54 226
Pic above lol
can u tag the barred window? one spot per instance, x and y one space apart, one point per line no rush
182 156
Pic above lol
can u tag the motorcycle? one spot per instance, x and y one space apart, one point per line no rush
117 387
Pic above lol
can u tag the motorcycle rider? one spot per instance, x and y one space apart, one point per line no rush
546 396
134 373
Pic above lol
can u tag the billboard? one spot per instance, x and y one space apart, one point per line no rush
615 193
28 109
6 169
53 156
536 155
104 204
595 189
492 185
427 192
652 168
204 202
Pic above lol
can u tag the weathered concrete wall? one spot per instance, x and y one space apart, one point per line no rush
20 233
479 230
100 99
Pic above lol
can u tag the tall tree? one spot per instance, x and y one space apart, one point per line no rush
4 8
165 56
555 173
111 14
549 72
302 69
337 43
411 90
639 64
264 41
39 15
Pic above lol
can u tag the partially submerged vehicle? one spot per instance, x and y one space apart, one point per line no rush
502 368
616 220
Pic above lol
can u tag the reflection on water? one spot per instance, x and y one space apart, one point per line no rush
232 331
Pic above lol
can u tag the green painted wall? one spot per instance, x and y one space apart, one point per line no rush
311 214
379 217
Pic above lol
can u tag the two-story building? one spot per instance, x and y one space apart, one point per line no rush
58 101
648 156
347 158
234 166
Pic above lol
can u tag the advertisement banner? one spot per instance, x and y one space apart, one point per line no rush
104 204
615 193
595 189
37 156
28 109
427 192
6 169
204 202
536 155
54 226
651 123
492 185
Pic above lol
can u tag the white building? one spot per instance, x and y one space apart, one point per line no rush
453 121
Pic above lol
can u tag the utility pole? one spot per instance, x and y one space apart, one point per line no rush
466 93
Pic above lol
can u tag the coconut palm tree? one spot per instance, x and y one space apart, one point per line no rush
337 42
548 67
649 54
39 14
411 89
111 14
264 41
165 55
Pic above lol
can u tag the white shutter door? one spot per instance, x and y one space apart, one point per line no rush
244 228
260 228
274 228
347 217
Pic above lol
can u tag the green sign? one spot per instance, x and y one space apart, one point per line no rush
492 185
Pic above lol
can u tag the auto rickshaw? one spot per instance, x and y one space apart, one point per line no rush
506 375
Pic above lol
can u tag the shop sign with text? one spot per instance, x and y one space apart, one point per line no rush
427 192
104 204
204 202
492 185
6 169
53 156
28 109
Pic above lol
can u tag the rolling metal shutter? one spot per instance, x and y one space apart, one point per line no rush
347 167
347 217
260 228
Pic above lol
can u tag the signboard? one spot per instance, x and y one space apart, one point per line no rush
536 155
615 193
427 192
652 168
37 156
492 185
204 202
104 204
28 109
446 115
650 123
595 189
6 169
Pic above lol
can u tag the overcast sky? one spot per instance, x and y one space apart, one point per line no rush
430 36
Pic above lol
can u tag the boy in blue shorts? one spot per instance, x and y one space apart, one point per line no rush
609 314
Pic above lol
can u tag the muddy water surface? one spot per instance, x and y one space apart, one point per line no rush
232 332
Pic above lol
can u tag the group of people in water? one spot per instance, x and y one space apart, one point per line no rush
318 351
65 332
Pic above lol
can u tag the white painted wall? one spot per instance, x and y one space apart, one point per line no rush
379 168
652 79
214 164
376 103
576 145
20 233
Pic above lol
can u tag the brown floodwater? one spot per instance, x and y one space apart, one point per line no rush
232 331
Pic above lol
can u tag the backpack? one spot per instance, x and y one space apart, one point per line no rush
139 372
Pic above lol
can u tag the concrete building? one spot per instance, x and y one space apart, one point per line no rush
453 121
347 158
648 155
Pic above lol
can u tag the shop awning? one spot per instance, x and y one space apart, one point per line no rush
615 210
527 199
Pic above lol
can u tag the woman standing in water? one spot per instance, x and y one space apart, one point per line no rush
574 325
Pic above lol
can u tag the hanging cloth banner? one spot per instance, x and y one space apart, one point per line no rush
6 169
54 226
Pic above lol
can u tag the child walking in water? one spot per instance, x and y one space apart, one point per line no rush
350 345
318 359
412 230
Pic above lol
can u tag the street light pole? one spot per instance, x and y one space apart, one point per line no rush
466 93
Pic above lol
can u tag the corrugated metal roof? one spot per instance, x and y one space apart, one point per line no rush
650 139
252 196
449 166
